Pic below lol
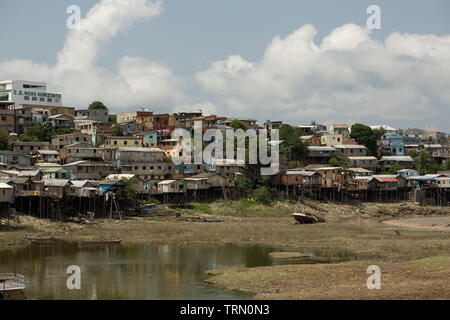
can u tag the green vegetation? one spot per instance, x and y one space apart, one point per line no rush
117 131
244 185
338 161
130 193
112 118
393 168
237 124
59 131
4 140
365 136
203 208
263 195
97 105
293 148
292 165
38 132
378 133
425 163
154 201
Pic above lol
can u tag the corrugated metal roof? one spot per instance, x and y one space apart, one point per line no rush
56 182
138 149
167 182
5 186
387 179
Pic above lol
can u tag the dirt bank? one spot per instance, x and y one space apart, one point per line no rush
441 224
418 279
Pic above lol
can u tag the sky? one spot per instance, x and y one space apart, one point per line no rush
288 60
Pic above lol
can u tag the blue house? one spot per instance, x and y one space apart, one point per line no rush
149 139
396 145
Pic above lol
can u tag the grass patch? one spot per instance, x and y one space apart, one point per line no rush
432 262
203 208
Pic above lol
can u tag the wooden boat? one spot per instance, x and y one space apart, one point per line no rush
40 240
101 242
307 218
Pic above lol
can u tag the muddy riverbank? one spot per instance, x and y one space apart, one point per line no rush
355 234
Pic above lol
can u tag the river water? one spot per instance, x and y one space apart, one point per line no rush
129 272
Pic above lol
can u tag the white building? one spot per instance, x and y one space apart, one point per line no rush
28 93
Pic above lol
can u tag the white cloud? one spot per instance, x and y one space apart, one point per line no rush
136 81
348 77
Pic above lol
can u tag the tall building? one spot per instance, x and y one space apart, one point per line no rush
30 93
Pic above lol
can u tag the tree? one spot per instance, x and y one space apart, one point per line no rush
293 148
292 165
379 132
263 195
237 124
244 185
393 168
38 132
130 192
117 130
97 105
413 154
63 131
112 118
424 163
338 161
365 136
4 140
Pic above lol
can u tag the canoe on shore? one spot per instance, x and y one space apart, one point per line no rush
40 240
101 242
307 218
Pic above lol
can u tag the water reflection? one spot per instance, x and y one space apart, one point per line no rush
129 272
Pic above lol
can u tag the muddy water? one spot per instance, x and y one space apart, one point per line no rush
128 272
140 271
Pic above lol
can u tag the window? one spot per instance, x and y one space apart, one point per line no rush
136 142
21 147
144 168
136 168
31 148
3 118
26 98
49 99
125 142
115 142
42 99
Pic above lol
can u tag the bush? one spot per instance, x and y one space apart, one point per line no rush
154 201
292 165
263 195
204 208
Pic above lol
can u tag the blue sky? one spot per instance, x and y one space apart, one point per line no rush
187 37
